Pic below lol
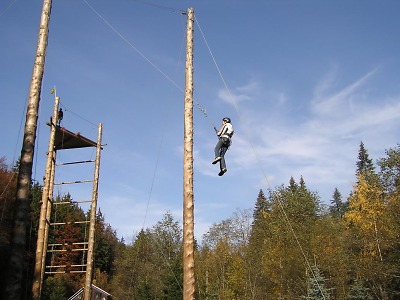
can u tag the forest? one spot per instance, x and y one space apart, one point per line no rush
290 245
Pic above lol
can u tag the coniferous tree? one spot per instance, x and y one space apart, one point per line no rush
260 220
294 213
106 245
167 234
358 291
152 265
365 166
8 185
261 208
255 254
131 276
317 289
54 288
364 163
337 207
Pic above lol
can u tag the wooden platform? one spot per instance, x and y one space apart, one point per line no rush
66 139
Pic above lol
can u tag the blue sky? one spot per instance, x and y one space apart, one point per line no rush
304 82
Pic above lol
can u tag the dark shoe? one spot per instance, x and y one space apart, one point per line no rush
217 159
223 171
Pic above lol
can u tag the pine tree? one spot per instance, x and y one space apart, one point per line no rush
260 231
337 207
364 163
262 207
365 166
292 185
316 286
359 292
294 213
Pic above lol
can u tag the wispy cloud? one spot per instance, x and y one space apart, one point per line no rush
239 94
333 103
321 146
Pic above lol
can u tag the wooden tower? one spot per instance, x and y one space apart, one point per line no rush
63 139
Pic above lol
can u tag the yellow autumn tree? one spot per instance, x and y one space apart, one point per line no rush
364 216
367 228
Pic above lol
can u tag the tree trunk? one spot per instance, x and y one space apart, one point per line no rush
188 203
17 266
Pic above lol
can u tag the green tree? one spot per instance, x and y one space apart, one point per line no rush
260 233
105 252
222 268
337 208
152 265
390 178
135 271
390 170
295 211
359 291
59 286
330 249
365 166
364 163
167 235
8 185
54 288
317 289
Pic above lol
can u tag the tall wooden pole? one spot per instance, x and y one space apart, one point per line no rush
188 203
48 216
16 266
93 208
46 201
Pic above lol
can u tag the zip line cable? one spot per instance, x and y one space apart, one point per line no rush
166 117
233 102
130 44
14 170
77 115
144 56
205 113
160 6
161 143
7 8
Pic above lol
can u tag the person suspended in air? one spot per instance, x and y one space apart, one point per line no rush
60 116
224 142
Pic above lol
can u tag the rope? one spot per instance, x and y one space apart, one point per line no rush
144 56
166 116
77 115
15 153
7 8
259 161
205 113
144 220
160 6
132 46
162 73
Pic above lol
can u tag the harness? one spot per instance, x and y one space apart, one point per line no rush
227 135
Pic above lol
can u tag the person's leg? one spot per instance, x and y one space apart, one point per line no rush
222 163
218 147
217 151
